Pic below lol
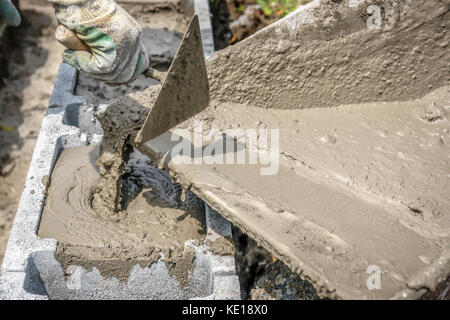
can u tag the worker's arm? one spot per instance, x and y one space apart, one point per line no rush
9 16
116 54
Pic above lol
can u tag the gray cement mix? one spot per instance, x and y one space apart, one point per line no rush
154 224
344 197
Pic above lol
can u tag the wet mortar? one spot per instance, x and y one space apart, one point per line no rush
325 89
108 206
153 224
385 112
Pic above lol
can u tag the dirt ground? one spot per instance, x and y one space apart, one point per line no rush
25 94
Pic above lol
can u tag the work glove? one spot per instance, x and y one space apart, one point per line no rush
113 37
9 16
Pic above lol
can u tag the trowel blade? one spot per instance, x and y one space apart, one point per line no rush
185 91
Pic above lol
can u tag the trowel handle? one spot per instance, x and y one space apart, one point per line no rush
69 39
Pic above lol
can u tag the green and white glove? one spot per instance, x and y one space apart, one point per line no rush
117 54
9 16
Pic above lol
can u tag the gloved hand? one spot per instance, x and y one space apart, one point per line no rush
117 54
9 16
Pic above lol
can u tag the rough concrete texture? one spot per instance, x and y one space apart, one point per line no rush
359 186
152 282
120 121
163 25
264 277
225 281
324 55
280 283
328 214
184 91
30 270
213 277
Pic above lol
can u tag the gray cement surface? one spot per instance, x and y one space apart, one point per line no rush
361 183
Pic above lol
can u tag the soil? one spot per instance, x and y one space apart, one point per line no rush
264 277
251 260
34 60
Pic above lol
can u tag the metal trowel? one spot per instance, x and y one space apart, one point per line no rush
184 91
